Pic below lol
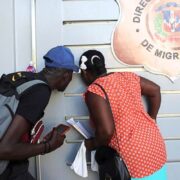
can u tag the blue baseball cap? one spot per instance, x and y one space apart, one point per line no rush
60 57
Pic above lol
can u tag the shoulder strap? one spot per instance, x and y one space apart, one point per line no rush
103 92
25 86
107 99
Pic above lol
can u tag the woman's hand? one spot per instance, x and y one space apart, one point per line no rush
89 143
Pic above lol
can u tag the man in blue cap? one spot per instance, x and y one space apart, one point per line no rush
57 74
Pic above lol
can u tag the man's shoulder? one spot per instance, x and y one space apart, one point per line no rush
35 84
39 87
40 90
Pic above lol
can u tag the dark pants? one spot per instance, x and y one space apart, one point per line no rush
17 170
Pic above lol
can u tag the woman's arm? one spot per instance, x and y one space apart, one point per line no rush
152 92
101 114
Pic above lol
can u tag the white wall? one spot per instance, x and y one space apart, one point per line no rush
15 40
7 36
80 25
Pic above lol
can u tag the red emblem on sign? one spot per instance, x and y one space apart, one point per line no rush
148 34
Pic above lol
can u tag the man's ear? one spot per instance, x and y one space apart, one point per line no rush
65 75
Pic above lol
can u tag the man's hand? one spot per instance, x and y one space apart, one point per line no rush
56 140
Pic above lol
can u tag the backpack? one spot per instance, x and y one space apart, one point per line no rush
10 94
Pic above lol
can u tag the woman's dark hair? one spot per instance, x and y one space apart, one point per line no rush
93 60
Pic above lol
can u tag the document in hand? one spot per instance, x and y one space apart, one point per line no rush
80 128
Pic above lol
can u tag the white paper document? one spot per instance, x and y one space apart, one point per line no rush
79 165
80 128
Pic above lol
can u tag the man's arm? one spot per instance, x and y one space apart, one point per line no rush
103 120
11 147
152 92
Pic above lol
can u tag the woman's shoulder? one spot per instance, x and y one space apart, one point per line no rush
112 77
128 75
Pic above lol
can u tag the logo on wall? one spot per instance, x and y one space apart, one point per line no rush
148 34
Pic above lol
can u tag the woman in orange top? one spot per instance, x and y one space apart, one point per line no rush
129 129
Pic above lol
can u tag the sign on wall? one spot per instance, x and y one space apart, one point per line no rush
148 34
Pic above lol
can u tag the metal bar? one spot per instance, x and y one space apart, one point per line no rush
162 92
72 94
34 60
89 163
87 117
168 115
77 117
172 139
14 35
66 22
173 161
33 32
170 92
129 69
70 141
38 167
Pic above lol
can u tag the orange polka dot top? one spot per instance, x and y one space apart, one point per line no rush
138 138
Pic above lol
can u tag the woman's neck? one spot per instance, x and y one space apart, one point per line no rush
104 74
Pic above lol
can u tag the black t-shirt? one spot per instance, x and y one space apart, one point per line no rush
32 104
34 101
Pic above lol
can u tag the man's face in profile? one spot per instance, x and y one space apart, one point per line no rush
62 83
